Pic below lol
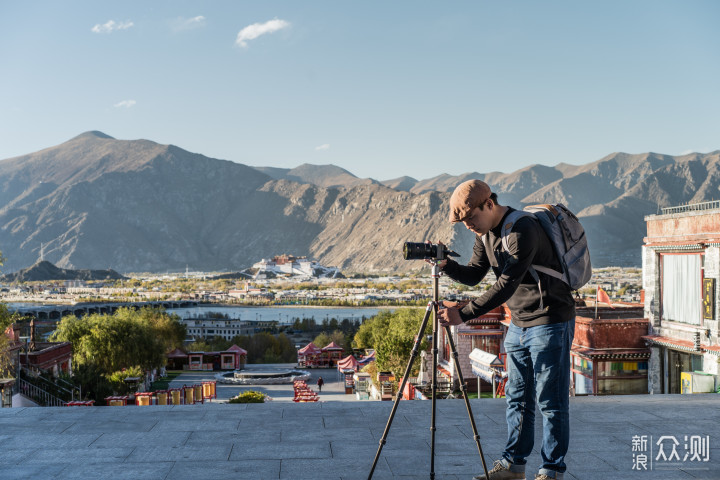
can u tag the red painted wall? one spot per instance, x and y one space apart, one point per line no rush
610 333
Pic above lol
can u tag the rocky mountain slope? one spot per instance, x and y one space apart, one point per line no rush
320 175
96 202
45 271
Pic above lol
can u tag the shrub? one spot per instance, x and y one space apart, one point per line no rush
250 396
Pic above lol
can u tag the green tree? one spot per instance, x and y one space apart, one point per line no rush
6 319
322 340
214 344
125 339
392 335
264 347
6 361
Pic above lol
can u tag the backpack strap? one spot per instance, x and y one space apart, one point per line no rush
508 224
504 231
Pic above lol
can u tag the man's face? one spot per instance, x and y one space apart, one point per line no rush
480 221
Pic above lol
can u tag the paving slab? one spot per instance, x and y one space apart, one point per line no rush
35 471
218 452
235 470
200 438
115 439
78 455
318 449
283 440
119 471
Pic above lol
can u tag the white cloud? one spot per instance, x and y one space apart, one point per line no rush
111 26
125 104
182 24
251 32
325 146
697 150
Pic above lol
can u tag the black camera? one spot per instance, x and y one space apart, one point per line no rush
421 251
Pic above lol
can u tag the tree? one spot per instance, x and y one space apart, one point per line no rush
322 340
6 361
6 319
125 339
392 335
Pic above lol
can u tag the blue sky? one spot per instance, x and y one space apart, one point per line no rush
382 89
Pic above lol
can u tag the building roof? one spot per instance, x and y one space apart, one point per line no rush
612 353
177 353
332 346
235 348
309 349
678 344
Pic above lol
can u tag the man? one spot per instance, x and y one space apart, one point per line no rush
540 336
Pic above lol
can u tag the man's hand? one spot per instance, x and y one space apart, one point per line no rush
450 315
441 264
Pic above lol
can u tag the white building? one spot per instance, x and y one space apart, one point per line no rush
681 267
225 328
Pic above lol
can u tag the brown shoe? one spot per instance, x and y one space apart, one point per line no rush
501 472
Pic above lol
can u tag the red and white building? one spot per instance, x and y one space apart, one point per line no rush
681 268
50 357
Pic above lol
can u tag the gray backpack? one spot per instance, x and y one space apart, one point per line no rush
567 237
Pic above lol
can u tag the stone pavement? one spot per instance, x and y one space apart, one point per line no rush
333 390
338 440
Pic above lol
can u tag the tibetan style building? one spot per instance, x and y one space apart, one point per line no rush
681 267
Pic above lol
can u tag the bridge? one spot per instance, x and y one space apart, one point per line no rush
56 312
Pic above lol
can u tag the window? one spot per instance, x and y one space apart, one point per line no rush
626 386
614 369
583 365
583 384
582 371
682 288
622 377
487 343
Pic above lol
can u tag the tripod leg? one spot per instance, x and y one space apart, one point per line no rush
464 390
413 355
435 351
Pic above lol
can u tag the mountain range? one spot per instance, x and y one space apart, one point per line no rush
95 202
43 271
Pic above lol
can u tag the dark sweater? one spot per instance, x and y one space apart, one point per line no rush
528 244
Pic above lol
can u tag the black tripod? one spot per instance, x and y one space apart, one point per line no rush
432 307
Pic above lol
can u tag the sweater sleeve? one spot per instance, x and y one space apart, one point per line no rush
472 273
522 247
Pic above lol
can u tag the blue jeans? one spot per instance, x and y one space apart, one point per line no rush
538 362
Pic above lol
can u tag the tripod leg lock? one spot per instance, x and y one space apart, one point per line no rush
383 441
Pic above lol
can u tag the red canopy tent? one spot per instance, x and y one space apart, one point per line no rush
332 346
309 349
348 362
241 351
239 358
331 354
365 360
176 359
308 356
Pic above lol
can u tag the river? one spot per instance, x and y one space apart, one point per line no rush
283 315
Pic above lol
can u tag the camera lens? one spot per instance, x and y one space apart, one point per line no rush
419 251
